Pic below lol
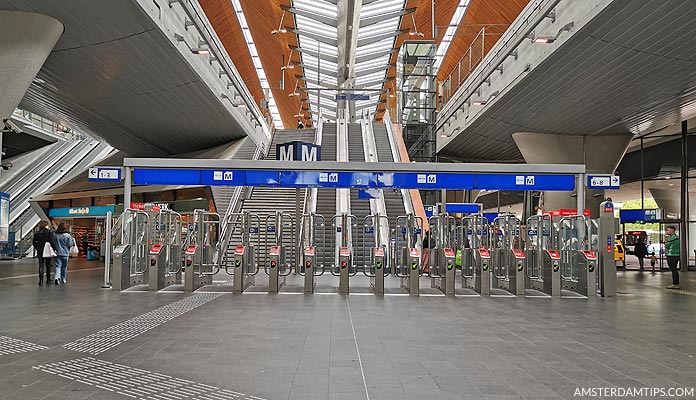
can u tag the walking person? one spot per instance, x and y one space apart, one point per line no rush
41 237
63 241
672 255
640 250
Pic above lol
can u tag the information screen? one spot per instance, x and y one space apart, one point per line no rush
4 217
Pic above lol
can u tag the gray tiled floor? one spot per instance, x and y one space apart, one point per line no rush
290 346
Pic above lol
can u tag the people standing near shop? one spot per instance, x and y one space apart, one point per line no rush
41 238
63 241
640 250
85 243
672 255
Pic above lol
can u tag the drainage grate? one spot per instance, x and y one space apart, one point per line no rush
137 383
13 346
113 336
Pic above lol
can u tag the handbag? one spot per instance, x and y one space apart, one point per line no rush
48 251
74 250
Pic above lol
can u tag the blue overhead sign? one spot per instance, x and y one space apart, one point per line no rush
344 179
223 178
642 215
328 179
410 180
352 97
462 208
524 182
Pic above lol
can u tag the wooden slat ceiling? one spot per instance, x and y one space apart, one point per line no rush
264 16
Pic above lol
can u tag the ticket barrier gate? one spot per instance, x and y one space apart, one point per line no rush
201 254
313 263
408 264
441 263
476 259
343 227
542 261
165 253
578 261
245 263
281 258
377 269
508 259
130 258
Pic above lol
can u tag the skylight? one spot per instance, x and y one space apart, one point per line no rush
272 106
449 33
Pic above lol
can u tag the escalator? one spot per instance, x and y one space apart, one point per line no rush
393 200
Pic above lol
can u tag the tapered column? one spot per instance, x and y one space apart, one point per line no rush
599 153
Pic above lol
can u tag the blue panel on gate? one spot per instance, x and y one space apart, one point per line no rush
328 179
412 180
262 178
525 182
153 176
462 208
223 177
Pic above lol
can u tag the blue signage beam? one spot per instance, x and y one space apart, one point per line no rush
345 179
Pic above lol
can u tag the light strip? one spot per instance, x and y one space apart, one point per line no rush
272 106
449 33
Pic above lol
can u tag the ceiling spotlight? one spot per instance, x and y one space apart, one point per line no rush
479 103
200 50
415 32
544 40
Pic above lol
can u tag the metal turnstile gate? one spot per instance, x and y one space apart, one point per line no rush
131 255
203 251
313 239
373 227
281 257
476 258
441 257
244 231
408 255
343 231
165 252
578 260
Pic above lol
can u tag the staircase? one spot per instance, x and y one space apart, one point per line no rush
393 200
358 207
223 194
326 198
63 160
265 201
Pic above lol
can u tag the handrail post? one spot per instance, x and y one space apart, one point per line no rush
107 252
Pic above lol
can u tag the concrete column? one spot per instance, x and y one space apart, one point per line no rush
601 154
26 41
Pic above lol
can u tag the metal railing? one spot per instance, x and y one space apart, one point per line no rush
47 125
465 66
531 16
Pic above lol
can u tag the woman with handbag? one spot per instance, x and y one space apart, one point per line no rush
64 244
44 251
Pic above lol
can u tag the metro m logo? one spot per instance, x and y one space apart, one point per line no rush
309 153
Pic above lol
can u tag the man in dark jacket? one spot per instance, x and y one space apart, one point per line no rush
640 251
41 237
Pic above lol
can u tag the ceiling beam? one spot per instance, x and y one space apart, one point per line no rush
313 16
383 17
378 68
315 54
348 26
314 68
379 38
318 38
368 57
